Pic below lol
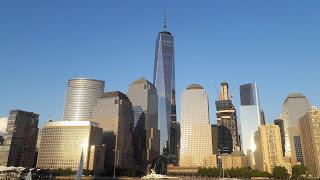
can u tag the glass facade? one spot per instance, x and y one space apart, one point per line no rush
62 143
164 81
80 98
295 106
249 117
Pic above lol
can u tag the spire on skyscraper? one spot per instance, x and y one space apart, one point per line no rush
165 16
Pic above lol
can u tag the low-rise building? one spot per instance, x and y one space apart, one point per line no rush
62 143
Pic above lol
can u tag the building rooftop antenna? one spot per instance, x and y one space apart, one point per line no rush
165 15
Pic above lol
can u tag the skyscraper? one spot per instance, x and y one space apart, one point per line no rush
196 138
144 98
228 137
309 126
294 107
164 81
62 143
250 118
20 142
114 113
279 122
268 153
80 98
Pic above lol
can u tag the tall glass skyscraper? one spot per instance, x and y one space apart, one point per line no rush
250 118
164 81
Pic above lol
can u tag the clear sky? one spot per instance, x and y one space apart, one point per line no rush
44 43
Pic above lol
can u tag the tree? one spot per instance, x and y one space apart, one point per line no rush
280 172
298 171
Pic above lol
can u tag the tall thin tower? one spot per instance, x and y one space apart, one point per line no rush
164 81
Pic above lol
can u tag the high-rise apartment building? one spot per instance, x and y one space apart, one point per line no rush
196 138
19 147
62 143
164 81
309 126
114 113
144 98
295 106
80 98
268 153
250 118
279 122
228 137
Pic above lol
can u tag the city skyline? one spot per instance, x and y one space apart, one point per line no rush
37 95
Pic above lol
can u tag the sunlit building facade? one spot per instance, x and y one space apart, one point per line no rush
309 126
164 81
62 143
196 138
80 98
114 113
280 123
144 98
268 153
250 118
294 107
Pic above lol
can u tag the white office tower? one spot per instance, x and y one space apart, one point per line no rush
250 118
196 139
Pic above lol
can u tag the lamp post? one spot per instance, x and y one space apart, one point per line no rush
115 158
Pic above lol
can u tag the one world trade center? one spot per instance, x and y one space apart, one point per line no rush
164 81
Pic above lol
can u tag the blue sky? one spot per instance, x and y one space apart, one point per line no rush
45 43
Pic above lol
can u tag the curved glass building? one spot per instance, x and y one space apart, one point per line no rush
80 98
164 81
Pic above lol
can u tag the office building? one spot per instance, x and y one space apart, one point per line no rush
164 81
175 135
114 113
295 106
144 98
250 118
228 137
309 126
19 147
3 125
196 138
62 143
279 122
236 159
80 98
214 133
268 153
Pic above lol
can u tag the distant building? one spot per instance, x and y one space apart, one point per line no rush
250 118
114 113
279 122
214 132
144 98
294 107
268 153
20 139
228 137
3 125
62 143
80 98
196 138
236 159
175 135
309 126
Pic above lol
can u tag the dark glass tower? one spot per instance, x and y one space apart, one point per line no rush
164 81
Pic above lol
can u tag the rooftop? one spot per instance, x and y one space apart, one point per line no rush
194 86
